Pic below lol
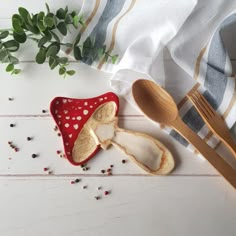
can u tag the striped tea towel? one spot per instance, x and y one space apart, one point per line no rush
139 31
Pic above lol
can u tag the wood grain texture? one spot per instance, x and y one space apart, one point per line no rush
136 206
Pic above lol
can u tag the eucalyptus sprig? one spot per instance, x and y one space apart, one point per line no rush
45 29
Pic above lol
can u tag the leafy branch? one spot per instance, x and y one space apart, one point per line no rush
45 29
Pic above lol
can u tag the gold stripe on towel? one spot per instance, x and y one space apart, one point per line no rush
197 65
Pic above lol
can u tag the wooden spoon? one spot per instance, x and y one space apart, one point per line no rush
160 107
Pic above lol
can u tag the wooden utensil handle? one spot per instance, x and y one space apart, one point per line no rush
229 142
220 165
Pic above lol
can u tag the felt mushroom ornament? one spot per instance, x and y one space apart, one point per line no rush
86 125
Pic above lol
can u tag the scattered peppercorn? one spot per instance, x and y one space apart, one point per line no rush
55 128
44 111
123 161
59 134
111 166
58 151
97 197
77 180
85 186
29 138
109 170
16 149
45 169
103 171
10 99
12 125
34 155
106 192
72 182
9 142
99 188
50 172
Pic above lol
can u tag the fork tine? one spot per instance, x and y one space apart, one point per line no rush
205 103
198 104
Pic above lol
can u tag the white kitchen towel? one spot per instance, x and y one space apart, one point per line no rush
139 30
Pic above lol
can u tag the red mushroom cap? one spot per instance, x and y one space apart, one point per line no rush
71 115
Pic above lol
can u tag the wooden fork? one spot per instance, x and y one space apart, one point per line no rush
214 121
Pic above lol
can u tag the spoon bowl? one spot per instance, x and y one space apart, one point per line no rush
154 101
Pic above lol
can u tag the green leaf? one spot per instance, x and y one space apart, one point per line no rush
12 45
48 34
20 38
42 41
76 21
48 21
13 60
70 72
77 39
77 53
74 13
40 21
53 49
3 54
114 59
62 71
61 14
24 14
41 56
16 71
87 43
47 7
68 19
10 67
52 62
16 25
63 60
18 17
100 52
4 34
34 29
62 28
30 22
55 36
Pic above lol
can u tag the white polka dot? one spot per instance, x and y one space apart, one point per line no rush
86 103
67 117
73 118
91 106
85 112
58 116
65 111
76 126
67 144
57 102
70 135
64 100
56 111
105 98
67 125
100 99
79 117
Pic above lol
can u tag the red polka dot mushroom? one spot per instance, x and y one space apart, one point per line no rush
88 124
71 116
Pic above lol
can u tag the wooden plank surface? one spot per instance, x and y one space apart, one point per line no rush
193 200
136 206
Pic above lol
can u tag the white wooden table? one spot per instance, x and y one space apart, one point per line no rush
193 200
